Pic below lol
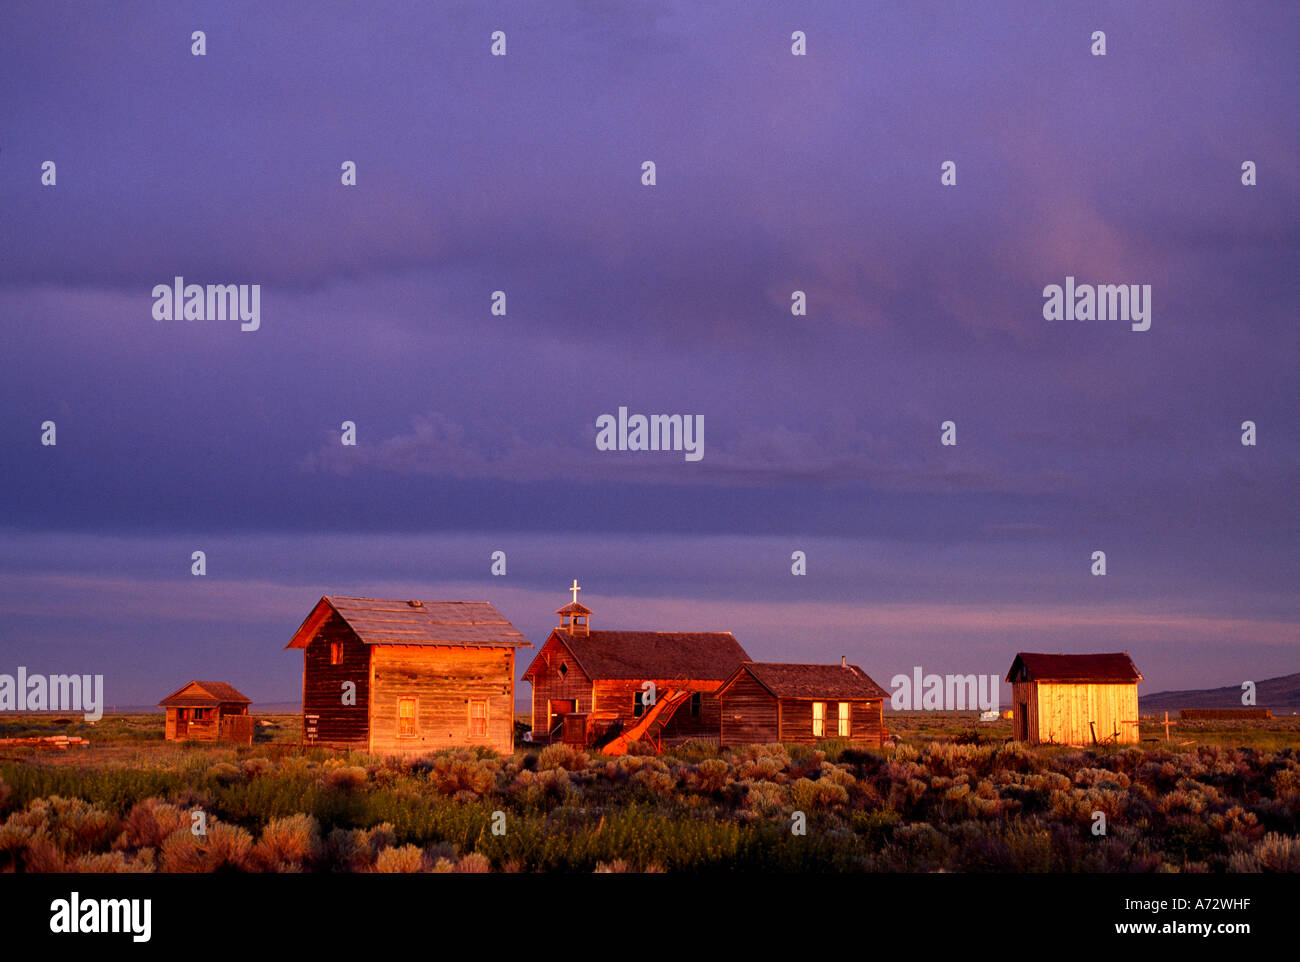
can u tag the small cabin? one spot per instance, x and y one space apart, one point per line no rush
605 689
407 677
1074 699
764 702
208 711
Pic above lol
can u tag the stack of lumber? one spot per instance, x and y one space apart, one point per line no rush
61 742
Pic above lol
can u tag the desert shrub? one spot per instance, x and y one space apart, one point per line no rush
1023 846
695 750
150 822
916 847
114 862
464 775
651 783
619 865
1278 853
72 826
764 767
225 848
543 789
406 858
287 844
345 850
875 827
474 863
225 773
26 848
346 778
806 794
257 765
1100 777
764 798
710 775
562 756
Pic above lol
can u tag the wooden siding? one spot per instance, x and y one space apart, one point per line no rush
1024 721
443 681
549 685
615 697
1061 713
866 721
749 714
337 725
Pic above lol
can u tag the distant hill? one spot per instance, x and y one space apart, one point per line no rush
1280 694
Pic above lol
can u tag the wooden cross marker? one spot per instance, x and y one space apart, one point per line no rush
1167 723
575 589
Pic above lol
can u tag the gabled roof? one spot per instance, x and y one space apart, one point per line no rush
1116 667
200 694
790 680
573 608
702 655
381 621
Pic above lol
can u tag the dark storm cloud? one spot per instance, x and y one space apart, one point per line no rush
775 174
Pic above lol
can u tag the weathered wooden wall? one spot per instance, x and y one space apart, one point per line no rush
1026 693
1065 711
339 725
866 721
749 714
549 685
616 696
443 680
237 728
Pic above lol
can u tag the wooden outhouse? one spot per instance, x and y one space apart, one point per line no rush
407 677
1074 699
765 702
605 689
208 711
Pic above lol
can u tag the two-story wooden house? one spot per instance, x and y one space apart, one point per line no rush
406 677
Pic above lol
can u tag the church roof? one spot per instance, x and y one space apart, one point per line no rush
636 655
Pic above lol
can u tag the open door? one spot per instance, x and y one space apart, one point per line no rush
555 708
1022 722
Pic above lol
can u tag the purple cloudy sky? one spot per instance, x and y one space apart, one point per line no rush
775 173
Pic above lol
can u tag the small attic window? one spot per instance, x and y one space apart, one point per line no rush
416 604
564 669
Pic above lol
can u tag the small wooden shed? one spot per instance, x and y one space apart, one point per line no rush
1074 699
765 702
208 711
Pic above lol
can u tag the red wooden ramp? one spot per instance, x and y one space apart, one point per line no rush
657 718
